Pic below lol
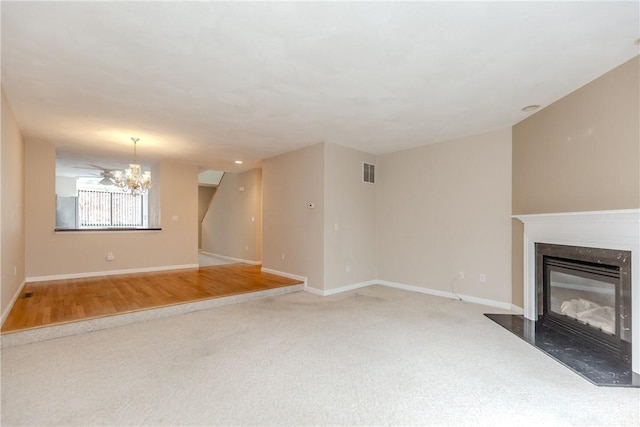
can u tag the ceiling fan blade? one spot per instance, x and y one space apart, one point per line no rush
103 169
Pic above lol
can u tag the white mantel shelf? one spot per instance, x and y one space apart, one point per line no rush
622 215
612 229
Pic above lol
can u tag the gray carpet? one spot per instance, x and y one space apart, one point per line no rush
376 356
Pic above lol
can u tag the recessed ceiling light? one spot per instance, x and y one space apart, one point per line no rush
238 162
528 108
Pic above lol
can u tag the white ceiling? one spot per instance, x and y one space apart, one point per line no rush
212 82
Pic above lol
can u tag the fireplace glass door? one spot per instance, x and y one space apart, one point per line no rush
583 298
589 301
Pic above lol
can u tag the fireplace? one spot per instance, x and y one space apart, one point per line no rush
586 294
595 233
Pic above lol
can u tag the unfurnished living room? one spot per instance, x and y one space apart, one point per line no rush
320 213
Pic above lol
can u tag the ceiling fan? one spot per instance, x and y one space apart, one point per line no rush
106 174
107 178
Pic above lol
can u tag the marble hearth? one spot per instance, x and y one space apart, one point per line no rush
616 229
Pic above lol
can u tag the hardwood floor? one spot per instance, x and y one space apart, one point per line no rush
62 301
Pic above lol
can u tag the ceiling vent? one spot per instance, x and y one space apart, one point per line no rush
369 173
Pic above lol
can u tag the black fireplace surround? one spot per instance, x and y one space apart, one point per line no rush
585 293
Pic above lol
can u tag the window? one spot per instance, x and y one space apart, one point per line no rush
99 208
86 203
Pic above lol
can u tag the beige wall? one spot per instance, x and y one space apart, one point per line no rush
154 196
232 225
517 263
445 208
12 247
349 218
581 153
51 254
205 193
289 182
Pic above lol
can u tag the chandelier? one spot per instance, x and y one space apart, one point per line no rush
133 181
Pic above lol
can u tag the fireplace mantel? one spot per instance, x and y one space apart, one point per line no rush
613 229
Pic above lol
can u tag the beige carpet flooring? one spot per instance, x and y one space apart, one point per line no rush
376 356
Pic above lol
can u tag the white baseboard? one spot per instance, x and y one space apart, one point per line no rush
283 274
244 261
13 301
314 291
439 293
341 289
516 309
110 272
488 302
418 289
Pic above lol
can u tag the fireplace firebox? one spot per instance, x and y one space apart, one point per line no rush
585 293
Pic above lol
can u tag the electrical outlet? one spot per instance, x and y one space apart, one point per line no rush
110 256
282 255
483 278
460 274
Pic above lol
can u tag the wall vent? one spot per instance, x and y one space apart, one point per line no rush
369 173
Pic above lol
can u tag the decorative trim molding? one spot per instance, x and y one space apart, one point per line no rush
621 215
110 272
283 274
517 309
445 294
244 261
314 291
13 301
419 289
487 302
412 288
341 289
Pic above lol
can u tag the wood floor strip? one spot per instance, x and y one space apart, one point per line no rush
62 301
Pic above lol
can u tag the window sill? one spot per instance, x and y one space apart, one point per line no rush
103 230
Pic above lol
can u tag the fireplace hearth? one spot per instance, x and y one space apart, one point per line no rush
598 367
584 312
